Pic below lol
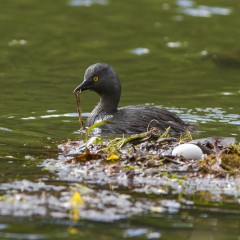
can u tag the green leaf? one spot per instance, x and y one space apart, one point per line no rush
94 140
96 125
165 134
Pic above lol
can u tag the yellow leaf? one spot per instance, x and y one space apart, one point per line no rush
112 157
72 230
75 214
76 200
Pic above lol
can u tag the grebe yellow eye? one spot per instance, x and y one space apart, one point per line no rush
95 79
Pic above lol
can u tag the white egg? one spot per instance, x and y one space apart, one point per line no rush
188 151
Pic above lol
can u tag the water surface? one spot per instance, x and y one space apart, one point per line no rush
182 55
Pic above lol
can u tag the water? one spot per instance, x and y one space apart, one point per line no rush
181 55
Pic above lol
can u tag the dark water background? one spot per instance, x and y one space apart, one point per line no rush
183 55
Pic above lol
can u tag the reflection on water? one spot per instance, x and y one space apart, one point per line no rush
160 216
5 129
87 3
141 232
200 115
15 42
189 7
140 51
177 44
204 115
158 49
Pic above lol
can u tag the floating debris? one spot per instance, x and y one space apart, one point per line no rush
112 157
142 163
144 156
85 157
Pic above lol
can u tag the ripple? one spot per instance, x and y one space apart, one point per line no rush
205 115
227 93
28 118
52 116
189 7
176 44
64 115
5 129
16 42
140 51
26 236
204 11
202 115
51 110
87 3
3 226
185 3
129 233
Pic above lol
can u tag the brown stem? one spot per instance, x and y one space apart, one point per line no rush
77 95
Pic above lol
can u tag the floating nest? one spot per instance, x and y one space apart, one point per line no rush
150 153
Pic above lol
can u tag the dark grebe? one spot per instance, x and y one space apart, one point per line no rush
102 79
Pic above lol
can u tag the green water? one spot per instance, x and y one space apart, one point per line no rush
45 47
